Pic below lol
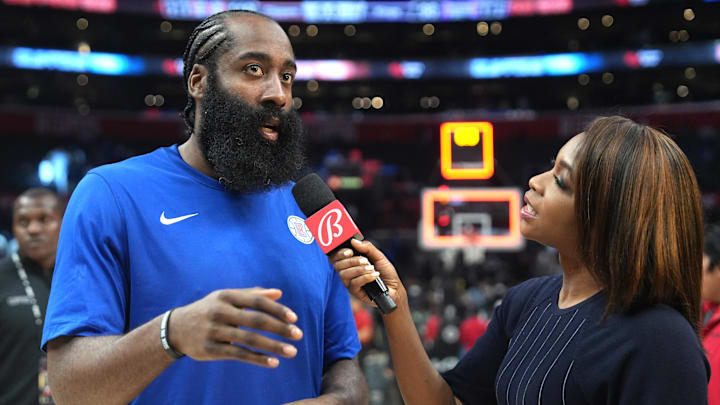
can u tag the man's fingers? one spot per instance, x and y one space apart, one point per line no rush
259 302
253 340
259 321
222 350
272 293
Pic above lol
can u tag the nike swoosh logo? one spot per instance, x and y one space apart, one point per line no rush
170 221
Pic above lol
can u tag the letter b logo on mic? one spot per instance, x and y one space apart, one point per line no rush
332 226
329 227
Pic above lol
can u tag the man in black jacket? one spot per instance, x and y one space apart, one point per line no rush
24 289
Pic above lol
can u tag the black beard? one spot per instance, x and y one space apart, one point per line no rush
232 143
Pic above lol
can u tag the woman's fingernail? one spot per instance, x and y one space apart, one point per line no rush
375 274
272 362
289 350
364 261
369 267
347 253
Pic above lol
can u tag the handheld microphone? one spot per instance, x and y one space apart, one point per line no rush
333 228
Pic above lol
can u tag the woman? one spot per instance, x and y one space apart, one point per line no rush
619 326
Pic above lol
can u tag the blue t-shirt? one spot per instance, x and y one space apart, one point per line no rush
126 255
535 353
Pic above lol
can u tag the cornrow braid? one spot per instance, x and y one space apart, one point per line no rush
205 40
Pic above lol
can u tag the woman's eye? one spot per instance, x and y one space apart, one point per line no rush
287 77
560 183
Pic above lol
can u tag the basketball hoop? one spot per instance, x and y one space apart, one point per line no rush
473 250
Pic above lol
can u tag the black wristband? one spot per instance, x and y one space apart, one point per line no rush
164 337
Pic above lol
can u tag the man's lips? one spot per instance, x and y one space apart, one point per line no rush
269 133
269 129
34 244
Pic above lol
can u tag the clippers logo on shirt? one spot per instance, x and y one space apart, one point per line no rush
332 226
299 230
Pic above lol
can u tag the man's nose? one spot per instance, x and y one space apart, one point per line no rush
275 93
34 227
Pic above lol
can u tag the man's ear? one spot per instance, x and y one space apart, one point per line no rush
197 81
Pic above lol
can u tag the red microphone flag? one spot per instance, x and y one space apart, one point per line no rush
332 226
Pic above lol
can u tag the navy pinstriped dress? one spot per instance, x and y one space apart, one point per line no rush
535 353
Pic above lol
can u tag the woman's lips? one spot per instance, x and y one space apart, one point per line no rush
527 211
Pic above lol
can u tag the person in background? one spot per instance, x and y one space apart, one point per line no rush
363 322
24 289
619 326
711 303
471 328
186 275
431 328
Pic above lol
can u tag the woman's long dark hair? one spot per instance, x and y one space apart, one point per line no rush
638 208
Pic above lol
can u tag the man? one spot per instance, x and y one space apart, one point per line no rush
711 315
24 289
159 254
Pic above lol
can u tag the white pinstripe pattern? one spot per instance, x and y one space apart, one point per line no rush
497 380
514 341
565 380
512 377
537 352
548 352
556 359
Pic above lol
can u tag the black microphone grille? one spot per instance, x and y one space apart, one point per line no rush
311 194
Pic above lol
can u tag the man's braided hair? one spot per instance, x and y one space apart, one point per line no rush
209 36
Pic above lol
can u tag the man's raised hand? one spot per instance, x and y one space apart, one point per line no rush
225 324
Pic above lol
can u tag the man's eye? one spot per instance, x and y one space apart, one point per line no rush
287 77
254 70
